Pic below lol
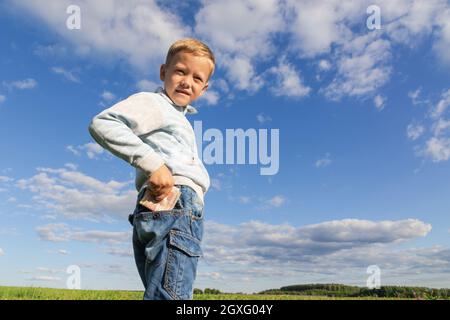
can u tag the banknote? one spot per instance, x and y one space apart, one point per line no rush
168 203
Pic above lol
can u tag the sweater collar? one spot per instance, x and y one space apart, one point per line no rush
188 109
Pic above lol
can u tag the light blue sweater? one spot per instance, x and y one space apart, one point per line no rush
148 130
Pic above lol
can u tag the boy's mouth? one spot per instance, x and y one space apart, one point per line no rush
182 92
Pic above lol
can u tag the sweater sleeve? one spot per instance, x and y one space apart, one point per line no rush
118 128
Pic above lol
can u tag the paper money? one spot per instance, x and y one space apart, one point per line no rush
168 203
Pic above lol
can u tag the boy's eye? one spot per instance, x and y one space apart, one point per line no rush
179 71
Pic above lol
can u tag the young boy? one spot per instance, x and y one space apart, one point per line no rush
150 131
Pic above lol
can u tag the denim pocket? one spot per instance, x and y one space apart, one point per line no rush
152 227
181 265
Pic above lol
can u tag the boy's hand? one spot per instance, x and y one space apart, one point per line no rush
161 183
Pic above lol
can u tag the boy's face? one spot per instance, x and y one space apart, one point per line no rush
185 77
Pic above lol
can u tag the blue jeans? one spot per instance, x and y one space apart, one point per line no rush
167 246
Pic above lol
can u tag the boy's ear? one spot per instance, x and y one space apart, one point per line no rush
204 89
162 72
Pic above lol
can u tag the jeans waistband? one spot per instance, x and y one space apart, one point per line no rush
188 201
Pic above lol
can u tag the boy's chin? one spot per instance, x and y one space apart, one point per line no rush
181 102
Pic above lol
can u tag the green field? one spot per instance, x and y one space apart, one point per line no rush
33 293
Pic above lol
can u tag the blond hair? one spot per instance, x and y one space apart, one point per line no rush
194 46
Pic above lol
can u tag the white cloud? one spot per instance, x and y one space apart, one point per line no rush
216 184
75 177
362 67
60 232
244 199
77 196
48 232
327 248
107 96
438 149
241 34
414 131
44 278
262 118
73 150
147 85
48 270
211 275
67 74
244 34
211 97
115 243
409 20
442 105
9 232
2 99
25 84
442 44
414 96
441 126
324 65
437 146
221 84
121 252
22 84
379 102
52 51
323 162
242 28
117 269
242 74
287 80
71 166
276 201
5 179
362 231
2 253
137 30
92 150
316 25
331 249
363 60
325 27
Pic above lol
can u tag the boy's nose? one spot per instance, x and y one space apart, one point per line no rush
184 83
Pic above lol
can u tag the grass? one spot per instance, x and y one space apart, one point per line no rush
36 293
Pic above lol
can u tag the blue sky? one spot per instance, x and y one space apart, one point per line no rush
364 140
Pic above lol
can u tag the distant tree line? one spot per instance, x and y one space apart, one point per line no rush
206 291
340 290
